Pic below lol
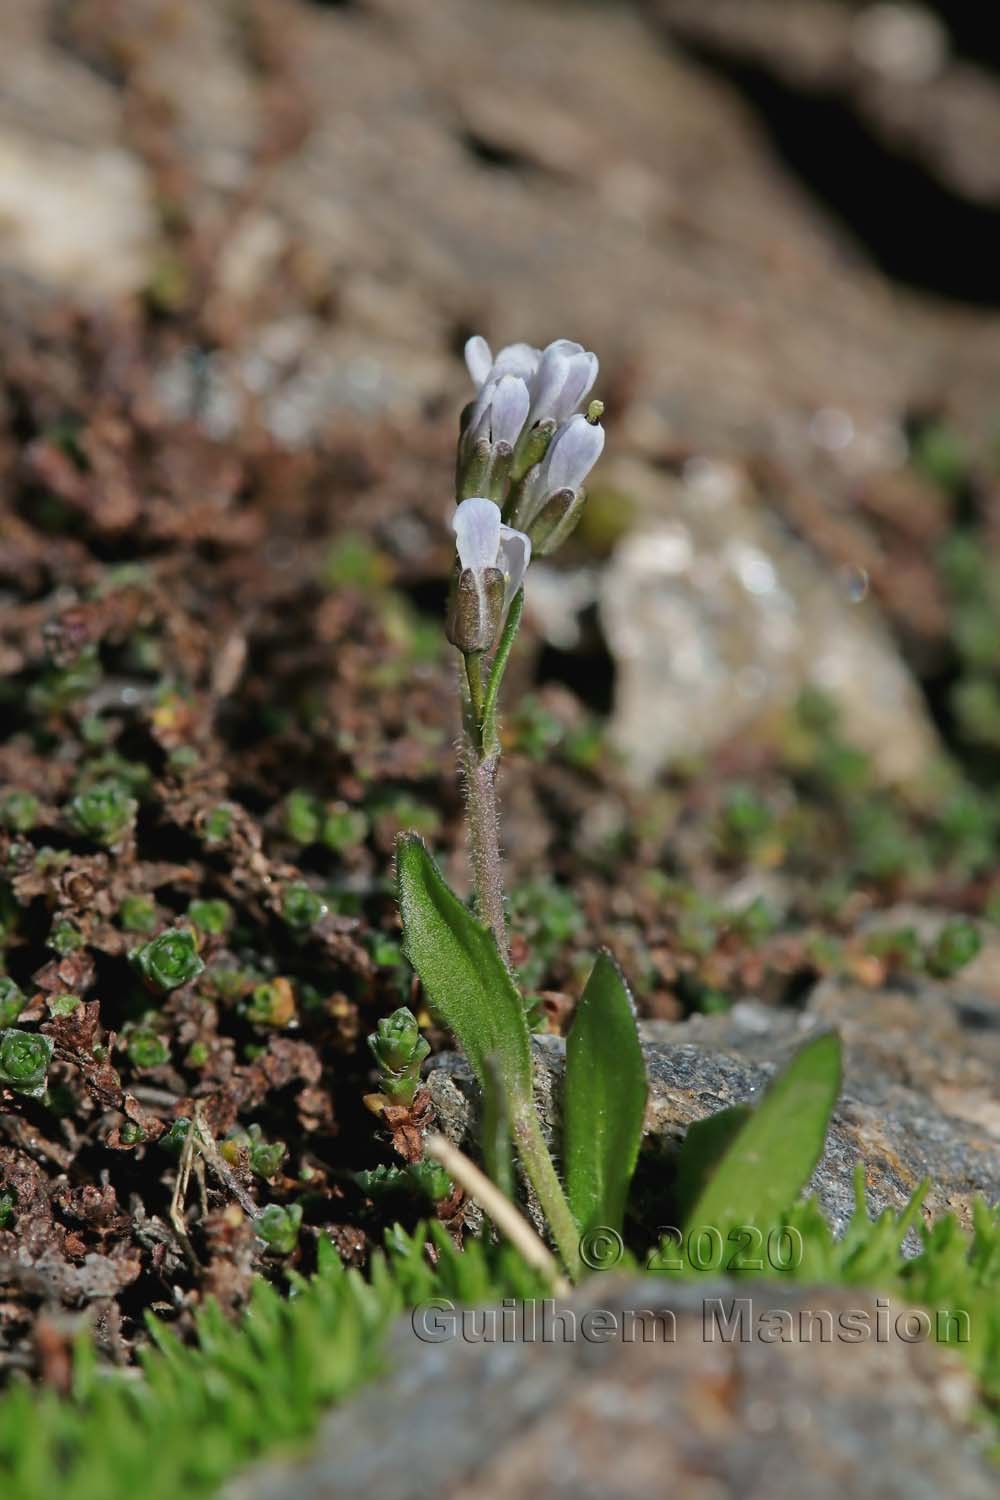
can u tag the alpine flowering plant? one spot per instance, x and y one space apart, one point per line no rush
525 450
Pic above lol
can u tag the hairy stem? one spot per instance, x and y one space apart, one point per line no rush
484 839
474 678
537 1164
482 759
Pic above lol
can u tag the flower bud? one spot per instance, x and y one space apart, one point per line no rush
571 455
490 436
527 393
556 521
565 376
574 451
475 609
557 378
516 359
492 562
532 449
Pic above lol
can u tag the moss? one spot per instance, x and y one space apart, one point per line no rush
301 907
170 960
210 916
242 1390
104 812
24 1062
138 914
12 1001
147 1050
65 938
19 811
63 1005
956 945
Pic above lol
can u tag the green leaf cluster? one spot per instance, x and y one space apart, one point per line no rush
169 960
470 987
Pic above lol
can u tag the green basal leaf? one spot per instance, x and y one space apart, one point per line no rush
704 1146
775 1153
604 1099
495 1133
463 975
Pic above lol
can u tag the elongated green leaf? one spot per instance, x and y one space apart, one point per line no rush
773 1156
604 1099
463 975
495 1133
705 1144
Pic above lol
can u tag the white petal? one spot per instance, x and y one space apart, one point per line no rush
510 409
517 359
574 451
479 417
566 347
478 358
476 524
551 377
577 386
515 555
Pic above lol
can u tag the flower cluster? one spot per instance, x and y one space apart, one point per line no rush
524 452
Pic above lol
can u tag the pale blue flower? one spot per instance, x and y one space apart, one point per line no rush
559 378
483 541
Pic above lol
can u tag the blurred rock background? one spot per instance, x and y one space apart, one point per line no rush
752 737
776 220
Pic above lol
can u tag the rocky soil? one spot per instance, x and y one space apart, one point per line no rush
750 740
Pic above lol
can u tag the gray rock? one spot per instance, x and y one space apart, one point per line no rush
892 64
919 1098
717 619
673 1410
504 186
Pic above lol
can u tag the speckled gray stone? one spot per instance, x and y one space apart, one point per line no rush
672 1411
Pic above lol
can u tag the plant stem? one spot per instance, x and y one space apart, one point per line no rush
474 677
489 738
482 759
540 1172
484 839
